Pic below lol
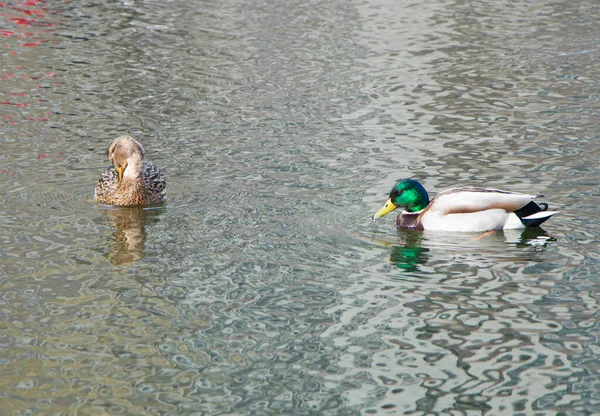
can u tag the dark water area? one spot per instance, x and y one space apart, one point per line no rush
262 286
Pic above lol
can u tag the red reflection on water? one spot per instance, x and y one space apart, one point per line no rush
38 13
25 19
21 21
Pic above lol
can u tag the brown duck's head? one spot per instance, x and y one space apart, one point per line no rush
125 151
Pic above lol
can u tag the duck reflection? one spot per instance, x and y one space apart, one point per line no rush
412 249
535 237
411 253
130 231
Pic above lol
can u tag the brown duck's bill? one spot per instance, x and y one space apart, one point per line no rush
385 209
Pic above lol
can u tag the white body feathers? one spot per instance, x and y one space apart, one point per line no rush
477 209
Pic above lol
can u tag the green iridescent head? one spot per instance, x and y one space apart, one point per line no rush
408 194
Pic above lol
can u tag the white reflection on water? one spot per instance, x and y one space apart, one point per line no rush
455 320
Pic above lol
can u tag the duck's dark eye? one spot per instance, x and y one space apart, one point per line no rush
396 193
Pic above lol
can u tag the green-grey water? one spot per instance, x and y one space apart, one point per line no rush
262 286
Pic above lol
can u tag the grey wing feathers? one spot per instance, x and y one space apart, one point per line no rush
110 176
107 183
154 178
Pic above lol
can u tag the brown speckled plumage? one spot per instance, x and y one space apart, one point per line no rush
141 182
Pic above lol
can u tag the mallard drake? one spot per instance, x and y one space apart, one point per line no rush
463 209
131 180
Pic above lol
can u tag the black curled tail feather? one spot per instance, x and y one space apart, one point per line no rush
530 209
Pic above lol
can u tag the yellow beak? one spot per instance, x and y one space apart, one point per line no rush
385 209
120 170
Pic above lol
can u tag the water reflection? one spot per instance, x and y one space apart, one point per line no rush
130 231
254 296
535 237
411 253
459 314
411 249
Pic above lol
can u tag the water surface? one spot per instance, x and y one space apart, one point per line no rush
262 287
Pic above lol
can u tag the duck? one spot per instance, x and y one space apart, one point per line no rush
463 209
131 180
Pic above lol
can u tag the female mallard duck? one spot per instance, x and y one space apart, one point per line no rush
130 180
463 209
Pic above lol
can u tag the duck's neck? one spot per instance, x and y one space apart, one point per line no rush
133 173
133 180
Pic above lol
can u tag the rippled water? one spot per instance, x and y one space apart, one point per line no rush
262 287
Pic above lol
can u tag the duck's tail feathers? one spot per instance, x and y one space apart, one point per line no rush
532 214
538 218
